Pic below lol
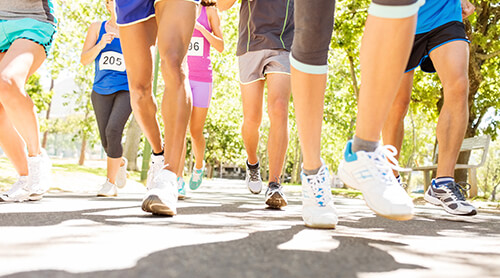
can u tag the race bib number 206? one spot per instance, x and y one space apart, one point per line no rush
111 60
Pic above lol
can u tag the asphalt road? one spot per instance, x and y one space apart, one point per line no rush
222 230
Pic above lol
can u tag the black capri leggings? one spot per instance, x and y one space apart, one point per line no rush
112 112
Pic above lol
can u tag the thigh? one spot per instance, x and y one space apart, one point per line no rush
278 89
251 97
451 61
197 121
136 41
103 104
202 93
22 59
175 19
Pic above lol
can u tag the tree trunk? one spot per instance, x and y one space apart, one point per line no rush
47 116
82 149
132 141
354 80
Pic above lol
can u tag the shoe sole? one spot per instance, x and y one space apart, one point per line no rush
35 197
348 181
154 205
321 226
181 197
435 201
276 201
106 195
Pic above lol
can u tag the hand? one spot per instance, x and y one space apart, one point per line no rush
467 8
106 39
198 26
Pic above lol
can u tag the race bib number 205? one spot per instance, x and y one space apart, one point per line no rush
111 60
195 47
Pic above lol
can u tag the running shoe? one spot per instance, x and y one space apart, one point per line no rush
197 177
181 187
121 178
40 175
274 196
19 191
318 210
157 163
451 197
253 179
161 197
371 173
107 190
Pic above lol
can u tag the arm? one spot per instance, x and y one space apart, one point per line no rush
223 5
467 8
215 38
90 47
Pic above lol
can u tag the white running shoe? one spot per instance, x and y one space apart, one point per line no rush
371 173
121 178
157 163
107 190
19 191
161 197
275 198
318 210
40 175
253 179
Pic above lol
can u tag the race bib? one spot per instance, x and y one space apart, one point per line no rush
111 60
196 47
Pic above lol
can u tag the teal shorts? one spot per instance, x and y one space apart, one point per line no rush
26 28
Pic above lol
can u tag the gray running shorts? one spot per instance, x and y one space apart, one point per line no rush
314 26
254 65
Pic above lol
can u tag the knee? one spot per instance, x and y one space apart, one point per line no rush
252 120
197 133
172 62
139 94
457 93
7 85
113 135
278 111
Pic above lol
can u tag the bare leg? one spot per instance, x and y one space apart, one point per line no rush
451 62
197 123
393 131
381 70
22 59
180 172
251 97
136 41
176 19
308 97
12 144
113 167
278 99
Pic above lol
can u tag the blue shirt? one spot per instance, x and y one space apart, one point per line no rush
110 71
435 13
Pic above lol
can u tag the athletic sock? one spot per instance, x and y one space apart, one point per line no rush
311 172
253 166
160 153
441 181
359 144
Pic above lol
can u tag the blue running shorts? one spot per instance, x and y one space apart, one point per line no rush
39 32
129 12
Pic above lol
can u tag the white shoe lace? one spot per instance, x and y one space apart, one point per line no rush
384 159
317 183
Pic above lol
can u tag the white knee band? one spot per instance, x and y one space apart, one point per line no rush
387 11
306 68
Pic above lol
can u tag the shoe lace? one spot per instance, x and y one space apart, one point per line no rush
254 174
386 162
316 182
459 190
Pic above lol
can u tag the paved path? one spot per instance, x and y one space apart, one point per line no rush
224 231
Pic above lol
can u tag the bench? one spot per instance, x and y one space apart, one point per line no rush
469 144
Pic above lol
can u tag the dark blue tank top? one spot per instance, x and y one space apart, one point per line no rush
110 72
